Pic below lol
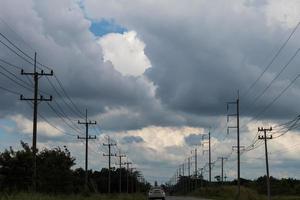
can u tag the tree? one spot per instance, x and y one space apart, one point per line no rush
16 169
54 170
218 178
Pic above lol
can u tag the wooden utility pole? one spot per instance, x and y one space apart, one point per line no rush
265 138
86 138
189 174
128 168
196 168
201 178
183 179
209 150
237 127
120 170
109 145
222 168
132 179
36 75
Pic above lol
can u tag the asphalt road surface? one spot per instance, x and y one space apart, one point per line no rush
183 198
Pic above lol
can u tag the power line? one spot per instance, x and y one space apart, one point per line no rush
10 42
20 50
280 72
64 91
10 64
10 91
62 118
56 78
277 97
63 99
16 82
272 60
48 122
16 77
20 37
12 50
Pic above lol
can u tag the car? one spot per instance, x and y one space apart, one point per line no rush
156 193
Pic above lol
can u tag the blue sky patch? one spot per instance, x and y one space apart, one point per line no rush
103 27
193 139
132 139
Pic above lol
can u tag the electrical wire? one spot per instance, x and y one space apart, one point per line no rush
273 80
272 60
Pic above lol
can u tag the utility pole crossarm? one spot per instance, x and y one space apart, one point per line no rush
112 155
42 73
42 98
90 137
89 123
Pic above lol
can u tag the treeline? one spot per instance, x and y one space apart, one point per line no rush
55 173
284 186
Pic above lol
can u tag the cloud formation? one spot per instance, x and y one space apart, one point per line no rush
200 53
126 52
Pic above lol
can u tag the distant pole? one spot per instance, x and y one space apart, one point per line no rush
109 145
265 138
36 75
183 179
222 168
179 168
209 164
238 145
189 173
201 179
196 169
127 174
87 138
120 168
132 180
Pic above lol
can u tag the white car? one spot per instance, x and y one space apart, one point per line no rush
157 193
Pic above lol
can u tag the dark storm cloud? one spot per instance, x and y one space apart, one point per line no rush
199 78
203 52
63 41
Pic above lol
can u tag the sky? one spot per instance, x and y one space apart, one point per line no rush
156 76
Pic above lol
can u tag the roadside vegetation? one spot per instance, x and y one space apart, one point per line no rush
281 189
229 192
31 196
56 176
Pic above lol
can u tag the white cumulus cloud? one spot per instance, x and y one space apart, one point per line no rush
126 52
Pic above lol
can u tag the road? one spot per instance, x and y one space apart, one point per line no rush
184 198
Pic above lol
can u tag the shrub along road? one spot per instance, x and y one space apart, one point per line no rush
184 198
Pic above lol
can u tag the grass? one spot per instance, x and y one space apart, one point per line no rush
31 196
229 193
286 198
